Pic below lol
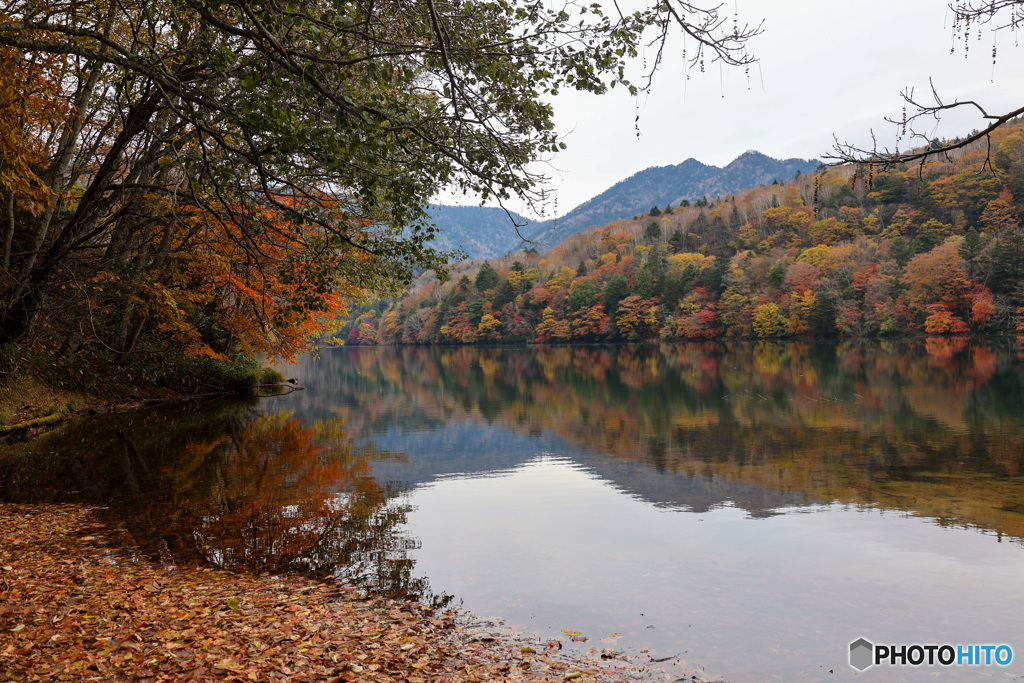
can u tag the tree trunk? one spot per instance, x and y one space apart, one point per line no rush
5 266
65 154
25 301
130 339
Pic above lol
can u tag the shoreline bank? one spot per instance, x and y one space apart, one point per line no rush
51 408
76 605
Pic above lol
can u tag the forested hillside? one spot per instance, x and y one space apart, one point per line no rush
935 249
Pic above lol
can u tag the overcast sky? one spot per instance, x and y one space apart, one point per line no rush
825 68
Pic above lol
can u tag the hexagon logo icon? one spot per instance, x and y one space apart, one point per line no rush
861 654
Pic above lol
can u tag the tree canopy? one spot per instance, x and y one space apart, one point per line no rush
230 174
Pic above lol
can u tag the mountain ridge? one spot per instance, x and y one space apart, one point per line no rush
662 185
480 231
486 232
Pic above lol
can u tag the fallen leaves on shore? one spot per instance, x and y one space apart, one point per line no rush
73 608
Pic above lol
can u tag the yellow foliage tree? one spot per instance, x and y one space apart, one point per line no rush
769 321
490 327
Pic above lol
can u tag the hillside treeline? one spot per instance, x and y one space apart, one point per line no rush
935 249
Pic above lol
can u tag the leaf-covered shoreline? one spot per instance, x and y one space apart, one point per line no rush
75 607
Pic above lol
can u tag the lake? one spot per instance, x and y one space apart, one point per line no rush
744 510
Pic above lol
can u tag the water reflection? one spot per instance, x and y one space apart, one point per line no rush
651 492
550 546
231 486
935 428
742 509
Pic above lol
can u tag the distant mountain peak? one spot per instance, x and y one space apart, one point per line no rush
747 156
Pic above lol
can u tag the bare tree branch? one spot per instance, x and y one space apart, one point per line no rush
999 15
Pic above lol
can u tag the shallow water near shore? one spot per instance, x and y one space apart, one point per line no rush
743 511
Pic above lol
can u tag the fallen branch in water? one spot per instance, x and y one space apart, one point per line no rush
48 421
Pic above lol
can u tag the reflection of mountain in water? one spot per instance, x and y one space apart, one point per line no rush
695 493
468 450
932 427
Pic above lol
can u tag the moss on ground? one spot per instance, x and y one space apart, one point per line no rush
27 398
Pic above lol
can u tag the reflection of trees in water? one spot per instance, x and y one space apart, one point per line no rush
934 427
865 386
228 486
874 379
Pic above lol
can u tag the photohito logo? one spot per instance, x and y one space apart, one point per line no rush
863 654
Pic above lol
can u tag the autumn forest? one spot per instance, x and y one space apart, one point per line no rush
934 249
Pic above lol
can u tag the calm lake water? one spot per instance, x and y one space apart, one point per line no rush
747 510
